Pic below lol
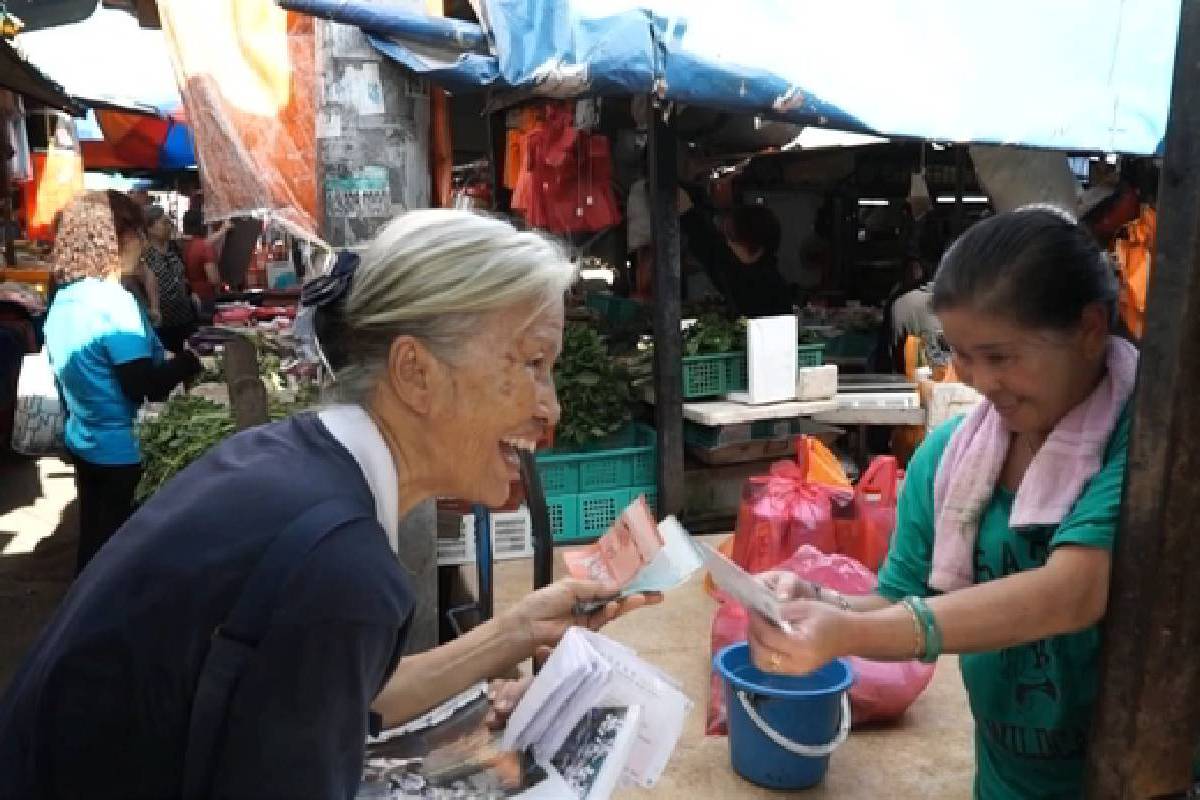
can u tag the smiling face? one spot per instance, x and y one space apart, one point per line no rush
496 398
1032 377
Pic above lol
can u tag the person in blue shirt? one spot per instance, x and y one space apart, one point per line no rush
106 357
174 669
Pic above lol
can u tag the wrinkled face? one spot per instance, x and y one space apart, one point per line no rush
1032 377
499 398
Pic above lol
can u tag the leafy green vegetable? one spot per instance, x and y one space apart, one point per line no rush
189 427
185 430
593 389
712 334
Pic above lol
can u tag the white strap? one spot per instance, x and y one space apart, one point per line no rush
808 751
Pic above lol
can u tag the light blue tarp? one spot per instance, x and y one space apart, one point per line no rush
1089 75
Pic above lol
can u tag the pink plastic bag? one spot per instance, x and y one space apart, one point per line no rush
780 512
882 690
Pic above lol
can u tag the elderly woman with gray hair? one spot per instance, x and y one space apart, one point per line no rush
244 629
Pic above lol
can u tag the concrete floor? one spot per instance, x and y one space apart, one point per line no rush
927 755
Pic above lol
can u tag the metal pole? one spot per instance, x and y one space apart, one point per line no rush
668 337
1147 720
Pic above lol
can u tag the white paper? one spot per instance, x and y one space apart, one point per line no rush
368 90
589 671
329 125
771 351
741 585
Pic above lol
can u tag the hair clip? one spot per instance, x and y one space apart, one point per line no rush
329 289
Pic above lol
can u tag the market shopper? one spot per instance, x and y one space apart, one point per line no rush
1005 527
740 254
106 357
200 261
442 343
178 315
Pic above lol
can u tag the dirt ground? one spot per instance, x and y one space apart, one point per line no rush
927 755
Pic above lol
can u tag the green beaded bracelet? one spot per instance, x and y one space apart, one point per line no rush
933 633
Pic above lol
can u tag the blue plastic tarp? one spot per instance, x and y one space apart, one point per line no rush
1090 75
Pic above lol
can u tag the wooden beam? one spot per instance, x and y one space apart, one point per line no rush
668 337
247 394
1147 720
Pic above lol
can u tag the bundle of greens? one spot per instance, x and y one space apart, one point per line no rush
712 334
593 389
187 428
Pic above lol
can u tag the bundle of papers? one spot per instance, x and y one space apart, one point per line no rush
636 554
595 717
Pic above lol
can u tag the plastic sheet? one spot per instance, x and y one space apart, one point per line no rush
246 71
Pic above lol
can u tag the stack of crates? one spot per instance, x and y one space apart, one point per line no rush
587 488
722 373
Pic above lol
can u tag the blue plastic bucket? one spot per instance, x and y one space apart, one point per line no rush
782 728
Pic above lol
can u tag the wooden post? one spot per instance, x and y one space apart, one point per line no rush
247 394
1147 721
497 155
668 338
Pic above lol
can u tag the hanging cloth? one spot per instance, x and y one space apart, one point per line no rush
1134 251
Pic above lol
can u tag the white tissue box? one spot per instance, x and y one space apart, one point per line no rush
771 353
944 401
817 383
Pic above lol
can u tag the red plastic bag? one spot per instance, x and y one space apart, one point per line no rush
864 525
882 690
780 512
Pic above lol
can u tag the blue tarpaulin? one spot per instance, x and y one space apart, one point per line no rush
1091 75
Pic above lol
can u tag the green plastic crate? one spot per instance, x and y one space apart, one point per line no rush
721 373
598 510
579 517
810 355
626 459
613 308
564 517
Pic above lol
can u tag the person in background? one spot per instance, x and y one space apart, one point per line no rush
1006 523
200 261
740 257
442 342
908 312
178 315
106 357
142 283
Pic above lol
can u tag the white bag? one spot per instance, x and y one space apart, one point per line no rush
39 417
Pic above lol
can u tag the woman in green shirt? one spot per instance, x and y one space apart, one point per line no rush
1027 302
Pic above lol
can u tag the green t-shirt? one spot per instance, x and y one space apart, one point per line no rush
1032 703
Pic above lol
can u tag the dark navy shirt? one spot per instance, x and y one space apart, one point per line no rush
100 707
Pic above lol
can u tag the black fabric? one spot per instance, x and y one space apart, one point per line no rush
143 380
101 706
174 337
234 642
751 290
174 297
105 503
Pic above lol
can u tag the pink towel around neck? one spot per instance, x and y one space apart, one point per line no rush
970 469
